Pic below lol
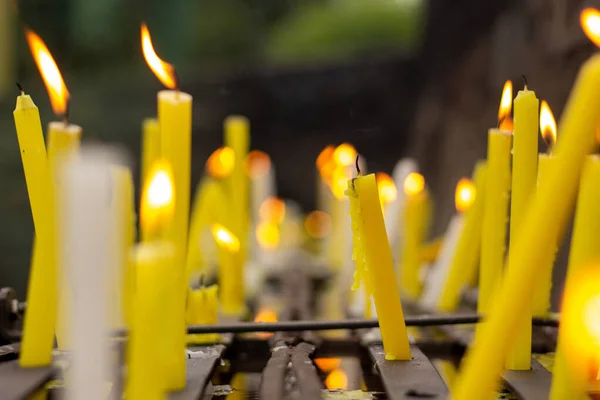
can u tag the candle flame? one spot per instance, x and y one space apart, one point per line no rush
57 90
272 210
327 364
344 154
590 23
257 163
504 119
158 195
225 238
265 315
337 379
325 156
318 224
221 162
267 235
464 195
547 124
386 187
165 72
414 183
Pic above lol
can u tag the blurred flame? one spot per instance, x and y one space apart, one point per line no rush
344 154
325 156
225 238
547 124
339 182
257 163
57 90
318 224
267 235
327 364
265 315
221 162
158 195
272 210
164 72
337 379
464 195
504 119
414 183
590 23
386 187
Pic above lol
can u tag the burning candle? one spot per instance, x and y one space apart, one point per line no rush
555 195
541 300
442 276
231 292
150 149
262 180
524 177
378 268
416 215
394 217
495 208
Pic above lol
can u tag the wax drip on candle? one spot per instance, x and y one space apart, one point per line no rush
20 89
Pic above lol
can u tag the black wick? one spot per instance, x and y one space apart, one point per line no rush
357 165
525 81
20 88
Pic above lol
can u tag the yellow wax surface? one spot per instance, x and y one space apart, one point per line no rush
38 329
369 226
480 373
416 215
175 121
466 255
202 309
495 216
524 178
568 383
148 344
150 149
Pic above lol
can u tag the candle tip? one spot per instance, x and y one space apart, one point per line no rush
20 88
524 81
357 165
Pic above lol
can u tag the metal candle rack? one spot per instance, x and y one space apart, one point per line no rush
291 348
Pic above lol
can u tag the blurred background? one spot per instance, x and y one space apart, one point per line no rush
396 78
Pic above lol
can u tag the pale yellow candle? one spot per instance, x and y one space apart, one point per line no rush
524 177
483 365
573 359
368 225
466 255
416 216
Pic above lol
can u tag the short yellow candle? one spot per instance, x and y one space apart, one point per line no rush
231 291
483 365
524 177
416 216
38 330
153 265
495 215
202 309
150 146
466 255
368 225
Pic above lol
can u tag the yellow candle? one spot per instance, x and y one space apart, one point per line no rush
202 308
231 288
150 146
38 330
368 226
524 177
416 216
466 255
175 124
495 212
555 196
145 377
570 375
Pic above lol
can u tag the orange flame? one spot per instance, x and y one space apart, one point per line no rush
505 108
386 187
257 164
57 90
267 235
325 156
318 224
265 315
414 184
225 238
164 72
221 162
272 210
547 124
158 196
590 23
327 364
464 195
344 154
337 379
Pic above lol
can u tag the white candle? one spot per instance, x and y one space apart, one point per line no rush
393 216
87 253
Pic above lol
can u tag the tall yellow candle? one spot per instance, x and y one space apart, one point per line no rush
38 330
495 215
416 215
231 289
368 225
570 375
555 196
466 255
524 177
150 146
153 265
175 124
